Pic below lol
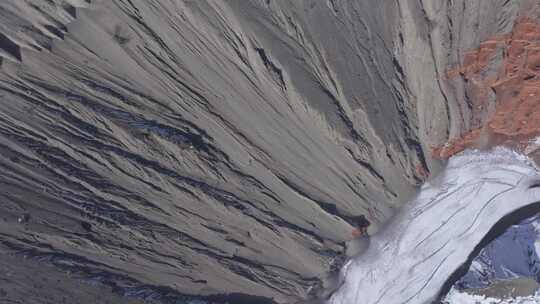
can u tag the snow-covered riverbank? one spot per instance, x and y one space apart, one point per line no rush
458 297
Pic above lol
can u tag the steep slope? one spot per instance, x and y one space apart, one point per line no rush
502 90
201 148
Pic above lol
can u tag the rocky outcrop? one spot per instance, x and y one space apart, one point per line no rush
201 148
501 90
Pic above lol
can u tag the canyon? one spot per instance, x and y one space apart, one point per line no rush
178 151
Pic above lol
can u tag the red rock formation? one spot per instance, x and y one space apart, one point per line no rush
421 172
516 84
356 233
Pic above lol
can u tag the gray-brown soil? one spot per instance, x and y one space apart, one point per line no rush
211 147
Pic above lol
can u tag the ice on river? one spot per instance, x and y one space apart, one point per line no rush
423 248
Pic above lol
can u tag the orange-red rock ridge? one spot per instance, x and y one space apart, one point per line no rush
516 85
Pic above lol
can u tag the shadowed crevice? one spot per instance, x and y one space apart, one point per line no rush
498 229
10 47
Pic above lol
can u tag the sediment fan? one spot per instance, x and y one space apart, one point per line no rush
432 241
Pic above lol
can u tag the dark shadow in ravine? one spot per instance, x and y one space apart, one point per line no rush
498 229
10 47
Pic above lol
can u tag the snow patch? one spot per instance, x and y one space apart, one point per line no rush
458 297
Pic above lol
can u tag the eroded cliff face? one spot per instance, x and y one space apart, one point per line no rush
499 80
201 148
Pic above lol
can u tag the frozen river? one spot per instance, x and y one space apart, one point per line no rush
430 243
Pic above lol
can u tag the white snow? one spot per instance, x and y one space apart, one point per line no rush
432 236
457 297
